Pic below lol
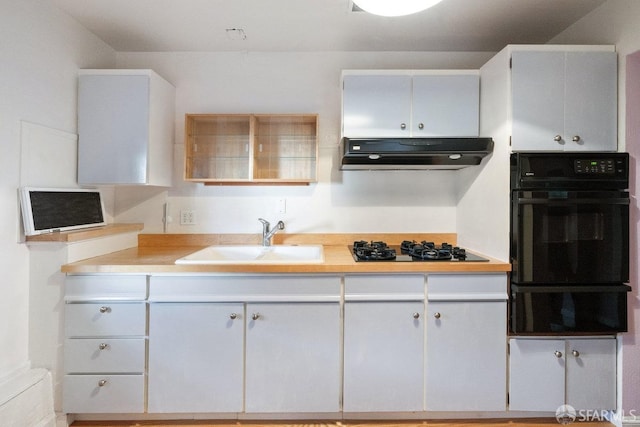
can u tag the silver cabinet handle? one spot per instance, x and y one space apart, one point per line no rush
420 126
576 138
575 353
416 315
557 138
558 354
102 383
103 346
437 315
233 316
255 316
403 126
105 309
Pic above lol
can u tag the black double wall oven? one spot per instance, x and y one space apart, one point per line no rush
569 243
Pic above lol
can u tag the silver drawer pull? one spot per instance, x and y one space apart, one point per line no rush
103 346
105 309
558 354
233 316
416 315
255 316
102 383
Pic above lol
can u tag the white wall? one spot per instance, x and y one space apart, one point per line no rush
40 52
278 82
616 22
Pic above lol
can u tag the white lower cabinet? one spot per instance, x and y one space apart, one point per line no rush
284 344
466 328
383 343
230 344
293 357
196 357
548 373
105 344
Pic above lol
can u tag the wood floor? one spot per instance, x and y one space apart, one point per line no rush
431 423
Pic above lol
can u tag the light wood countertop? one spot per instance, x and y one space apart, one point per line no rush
157 253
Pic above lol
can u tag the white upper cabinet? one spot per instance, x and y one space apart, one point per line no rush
126 128
433 104
564 101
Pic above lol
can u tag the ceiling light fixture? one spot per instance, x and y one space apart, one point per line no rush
394 7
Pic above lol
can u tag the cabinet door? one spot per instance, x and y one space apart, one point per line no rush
113 129
591 101
376 106
446 105
195 357
536 375
466 359
538 97
383 356
217 147
293 357
591 374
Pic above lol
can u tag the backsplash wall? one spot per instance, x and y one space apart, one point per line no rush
278 82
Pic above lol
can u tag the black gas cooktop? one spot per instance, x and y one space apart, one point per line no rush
410 251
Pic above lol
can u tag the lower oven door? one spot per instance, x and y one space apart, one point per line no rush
559 309
570 237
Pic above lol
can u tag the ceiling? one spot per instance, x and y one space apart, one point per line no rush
320 25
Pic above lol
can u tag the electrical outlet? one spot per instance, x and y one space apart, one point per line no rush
187 217
282 206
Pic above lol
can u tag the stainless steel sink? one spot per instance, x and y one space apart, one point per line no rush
256 254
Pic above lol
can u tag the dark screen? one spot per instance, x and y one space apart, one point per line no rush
58 209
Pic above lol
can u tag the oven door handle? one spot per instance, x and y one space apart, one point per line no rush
569 288
567 202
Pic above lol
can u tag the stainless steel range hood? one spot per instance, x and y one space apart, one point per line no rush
413 153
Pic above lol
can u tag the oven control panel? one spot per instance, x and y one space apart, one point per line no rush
596 166
587 171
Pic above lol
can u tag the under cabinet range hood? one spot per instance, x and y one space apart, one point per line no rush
413 153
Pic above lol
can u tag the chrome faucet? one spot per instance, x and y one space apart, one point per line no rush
267 232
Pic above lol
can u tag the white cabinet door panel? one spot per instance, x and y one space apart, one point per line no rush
293 357
536 376
196 357
537 83
466 362
376 106
591 374
446 105
591 101
103 101
383 356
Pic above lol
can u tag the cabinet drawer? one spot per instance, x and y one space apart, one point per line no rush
103 393
106 319
107 287
84 355
231 288
387 287
476 287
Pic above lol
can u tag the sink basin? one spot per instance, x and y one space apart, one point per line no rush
254 254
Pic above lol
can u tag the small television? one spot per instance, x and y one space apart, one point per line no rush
47 210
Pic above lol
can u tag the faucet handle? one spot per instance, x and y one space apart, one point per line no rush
280 225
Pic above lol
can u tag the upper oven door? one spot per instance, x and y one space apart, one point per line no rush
570 237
